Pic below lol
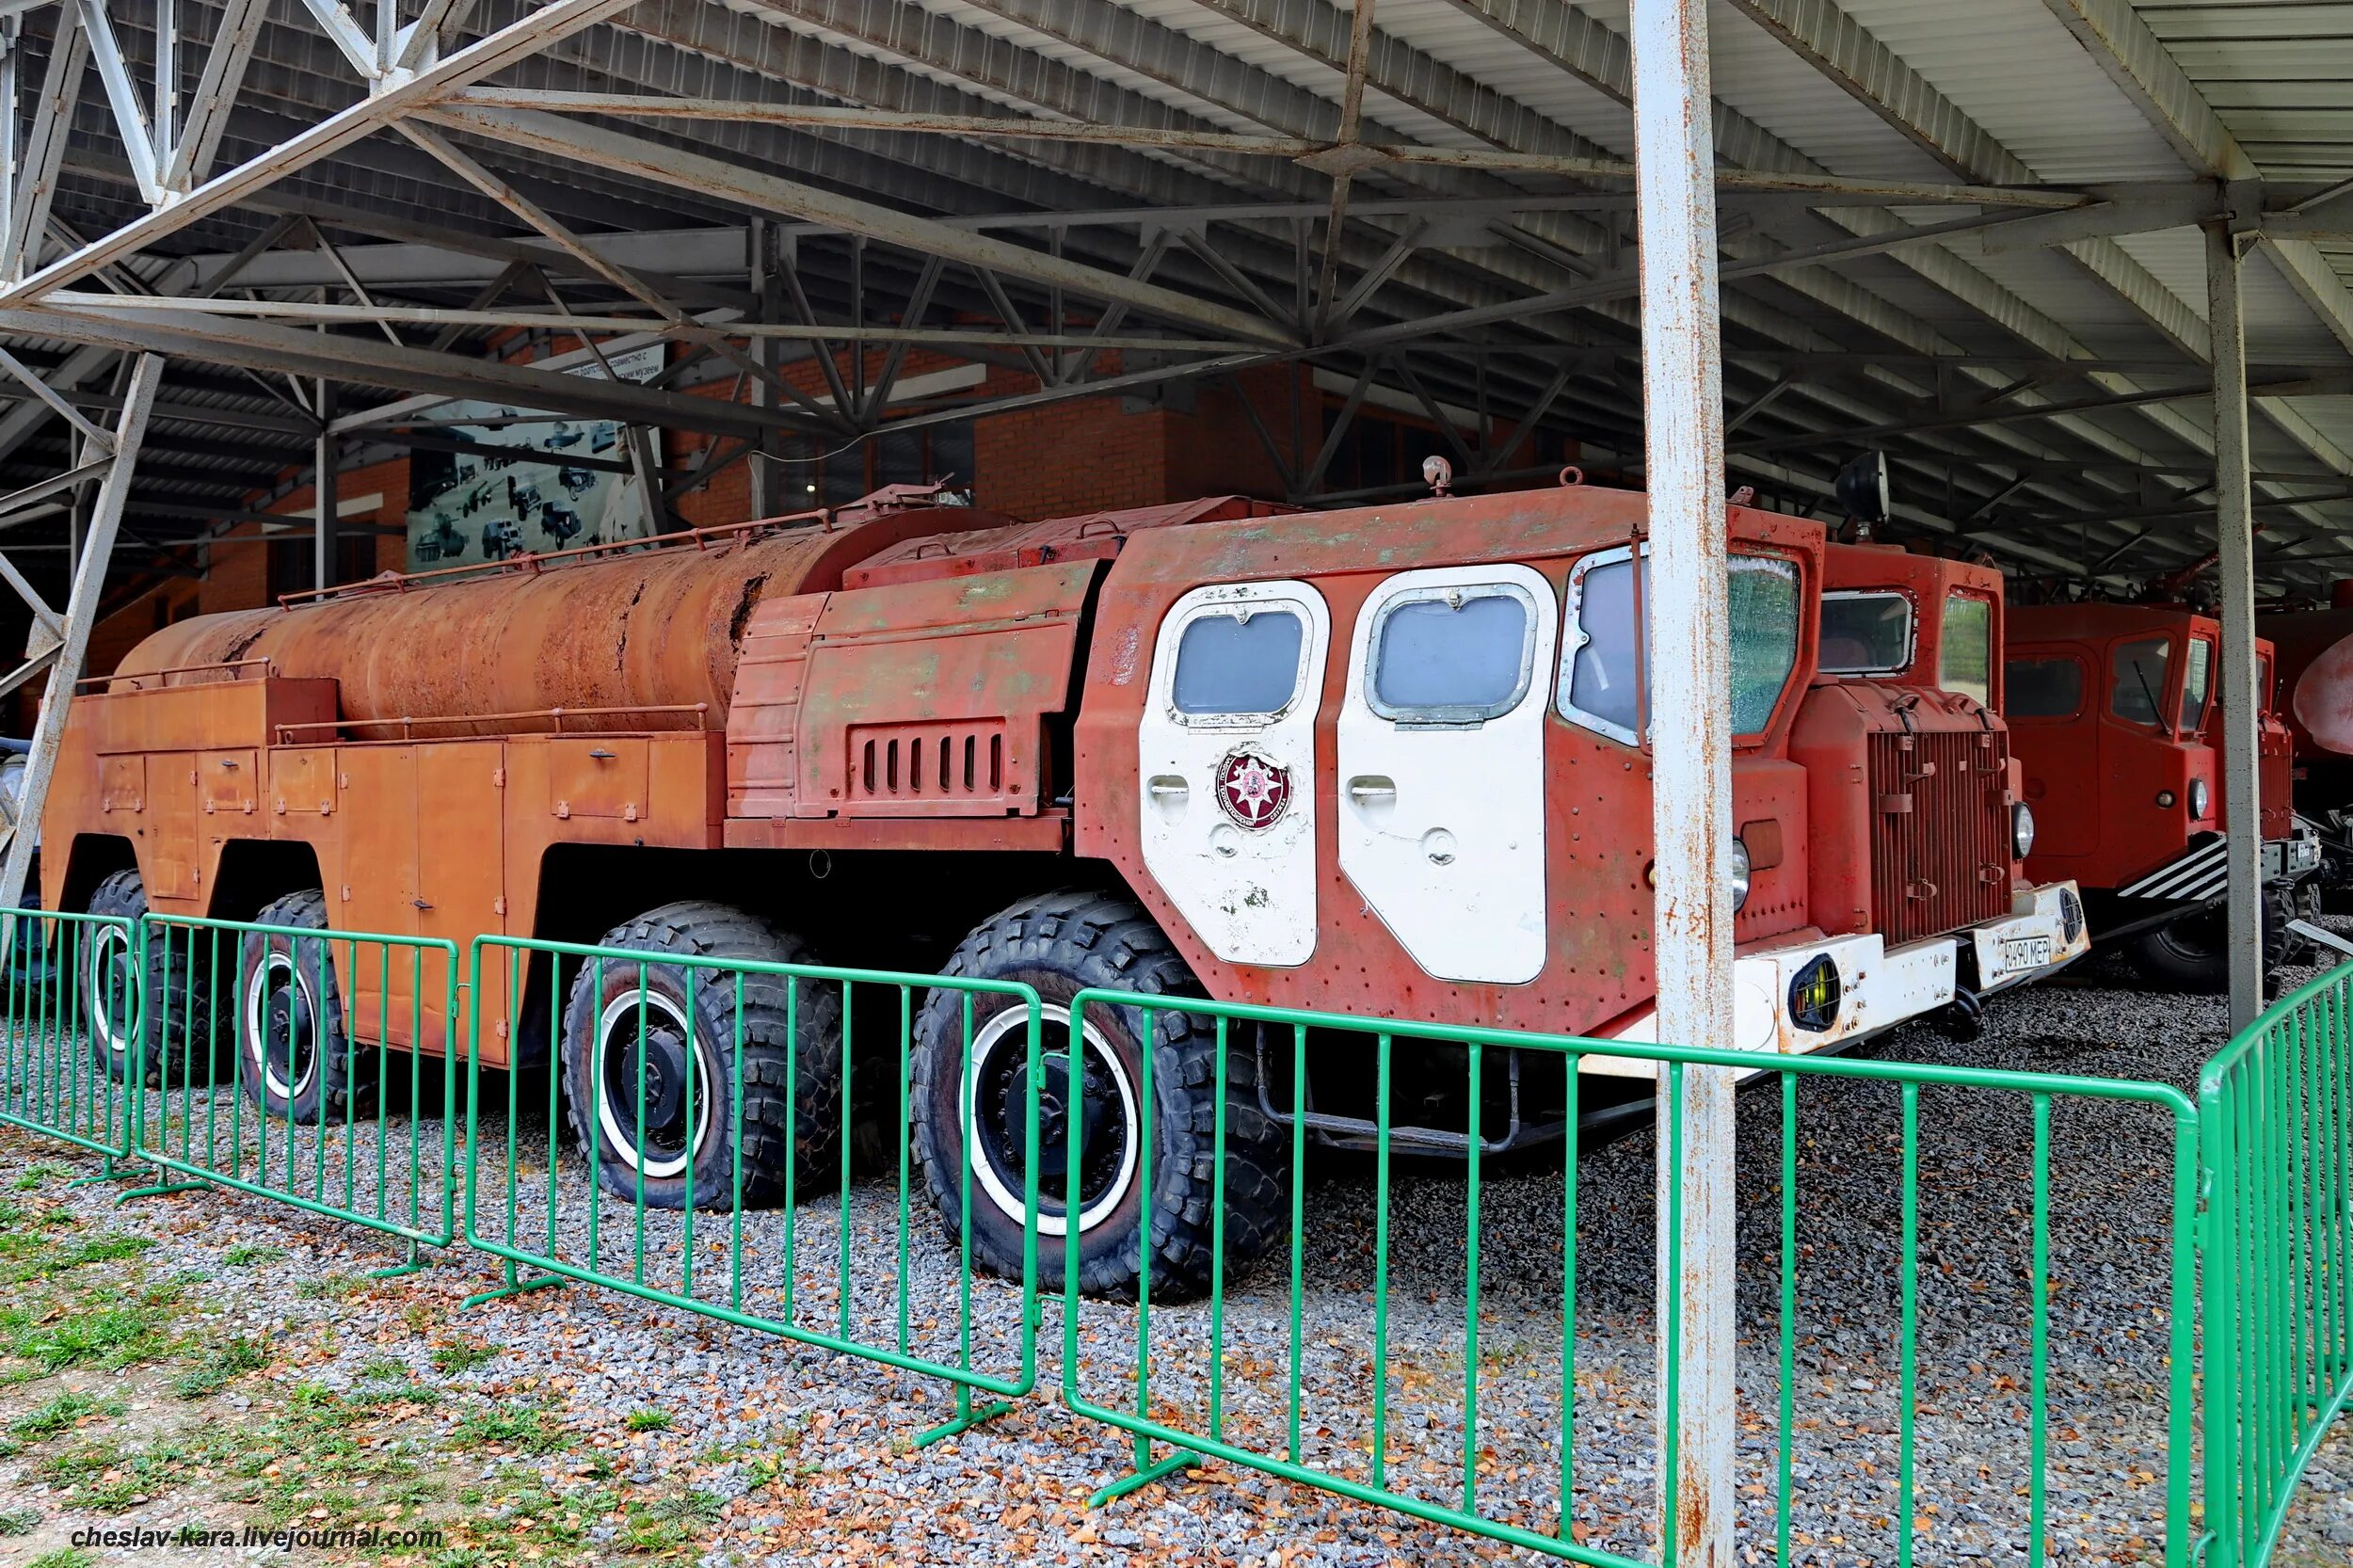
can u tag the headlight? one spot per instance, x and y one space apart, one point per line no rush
2199 797
1739 873
2022 830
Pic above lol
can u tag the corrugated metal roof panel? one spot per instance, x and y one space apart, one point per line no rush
2011 67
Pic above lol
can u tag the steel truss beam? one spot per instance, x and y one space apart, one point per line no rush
66 639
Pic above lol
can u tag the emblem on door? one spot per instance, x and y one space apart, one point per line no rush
1253 791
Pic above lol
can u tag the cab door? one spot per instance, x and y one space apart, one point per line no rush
1226 750
1442 766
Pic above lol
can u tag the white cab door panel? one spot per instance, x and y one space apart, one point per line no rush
1442 766
1227 751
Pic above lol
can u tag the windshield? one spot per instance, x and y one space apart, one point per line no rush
1966 665
1865 633
2139 680
1608 635
2196 677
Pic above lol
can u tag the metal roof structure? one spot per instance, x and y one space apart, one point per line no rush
1966 234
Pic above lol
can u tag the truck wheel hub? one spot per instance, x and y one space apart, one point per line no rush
1102 1119
643 1064
660 1114
283 1027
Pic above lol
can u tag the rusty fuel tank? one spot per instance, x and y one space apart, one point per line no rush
653 625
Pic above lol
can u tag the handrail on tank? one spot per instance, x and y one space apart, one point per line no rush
556 716
401 582
888 498
237 668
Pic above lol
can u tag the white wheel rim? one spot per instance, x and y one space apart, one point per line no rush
616 1137
985 1175
101 994
257 991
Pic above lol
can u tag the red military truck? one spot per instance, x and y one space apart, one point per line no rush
1389 760
1916 634
2109 705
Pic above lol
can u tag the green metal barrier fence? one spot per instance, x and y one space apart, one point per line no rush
2278 1119
1419 1436
843 1274
296 1063
68 1065
277 1061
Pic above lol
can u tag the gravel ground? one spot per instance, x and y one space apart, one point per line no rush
792 1454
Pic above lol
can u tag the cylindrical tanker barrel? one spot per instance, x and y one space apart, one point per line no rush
2315 651
641 630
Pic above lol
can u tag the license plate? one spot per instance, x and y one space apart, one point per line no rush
2025 952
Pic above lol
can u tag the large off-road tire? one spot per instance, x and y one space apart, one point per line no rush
613 1022
186 1034
294 1059
2192 954
1060 944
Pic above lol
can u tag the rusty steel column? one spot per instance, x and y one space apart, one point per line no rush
2234 541
323 546
1683 427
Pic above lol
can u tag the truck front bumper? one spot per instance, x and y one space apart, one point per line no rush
2046 932
2199 874
1834 992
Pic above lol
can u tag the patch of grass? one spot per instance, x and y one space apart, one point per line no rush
38 1259
463 1355
526 1429
669 1524
247 1256
23 1521
113 1337
219 1368
64 1557
33 1175
383 1367
61 1414
333 1288
649 1420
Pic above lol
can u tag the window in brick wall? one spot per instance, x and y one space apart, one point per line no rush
291 560
1380 449
815 475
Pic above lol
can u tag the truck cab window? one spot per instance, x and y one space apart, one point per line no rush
1605 642
2196 679
1762 605
2044 688
1238 662
1451 655
1966 664
2136 692
1865 633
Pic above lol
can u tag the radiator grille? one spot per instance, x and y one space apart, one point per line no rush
1940 832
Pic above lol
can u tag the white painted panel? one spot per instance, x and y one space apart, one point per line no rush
1228 799
1441 817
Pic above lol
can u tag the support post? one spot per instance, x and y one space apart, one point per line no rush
2234 541
767 474
1690 768
323 460
81 613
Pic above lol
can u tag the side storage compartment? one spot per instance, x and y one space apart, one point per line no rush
913 699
